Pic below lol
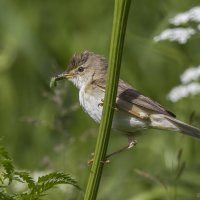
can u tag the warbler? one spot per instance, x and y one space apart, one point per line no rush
133 111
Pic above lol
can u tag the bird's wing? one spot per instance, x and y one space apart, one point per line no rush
133 102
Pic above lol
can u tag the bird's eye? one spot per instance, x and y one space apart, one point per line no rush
80 69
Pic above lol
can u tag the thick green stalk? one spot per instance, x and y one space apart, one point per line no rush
117 40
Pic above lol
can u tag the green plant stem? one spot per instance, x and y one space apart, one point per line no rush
116 47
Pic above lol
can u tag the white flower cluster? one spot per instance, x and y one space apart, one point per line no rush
189 85
190 15
189 79
190 74
180 34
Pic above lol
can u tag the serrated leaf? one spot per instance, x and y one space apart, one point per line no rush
50 180
4 153
58 178
7 165
25 177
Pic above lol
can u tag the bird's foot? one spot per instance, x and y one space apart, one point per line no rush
90 162
131 142
102 102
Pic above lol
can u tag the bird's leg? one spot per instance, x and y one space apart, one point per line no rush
131 143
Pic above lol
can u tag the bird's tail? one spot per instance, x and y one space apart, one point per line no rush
161 121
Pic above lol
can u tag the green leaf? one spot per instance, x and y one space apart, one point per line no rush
56 178
25 177
7 164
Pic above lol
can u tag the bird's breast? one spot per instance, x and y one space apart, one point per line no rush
91 101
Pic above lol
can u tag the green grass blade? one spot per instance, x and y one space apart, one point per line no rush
116 47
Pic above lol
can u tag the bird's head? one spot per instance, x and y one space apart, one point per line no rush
84 68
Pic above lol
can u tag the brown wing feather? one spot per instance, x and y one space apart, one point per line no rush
132 101
128 93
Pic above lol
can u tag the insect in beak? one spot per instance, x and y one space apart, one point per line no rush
59 77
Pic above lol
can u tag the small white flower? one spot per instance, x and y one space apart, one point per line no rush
191 74
190 15
180 35
182 91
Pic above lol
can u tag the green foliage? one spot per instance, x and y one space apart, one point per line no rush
34 189
46 130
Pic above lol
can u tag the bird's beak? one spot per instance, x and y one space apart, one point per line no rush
64 75
59 77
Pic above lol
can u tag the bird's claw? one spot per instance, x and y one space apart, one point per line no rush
101 103
90 162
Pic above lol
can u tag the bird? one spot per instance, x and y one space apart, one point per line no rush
133 111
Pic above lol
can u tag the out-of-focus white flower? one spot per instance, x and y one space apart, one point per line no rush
190 15
182 91
180 35
191 74
66 188
18 186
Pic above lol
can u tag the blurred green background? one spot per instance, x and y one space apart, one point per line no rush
46 129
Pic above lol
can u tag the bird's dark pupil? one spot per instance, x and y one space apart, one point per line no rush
80 69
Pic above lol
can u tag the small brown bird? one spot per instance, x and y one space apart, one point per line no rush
133 111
